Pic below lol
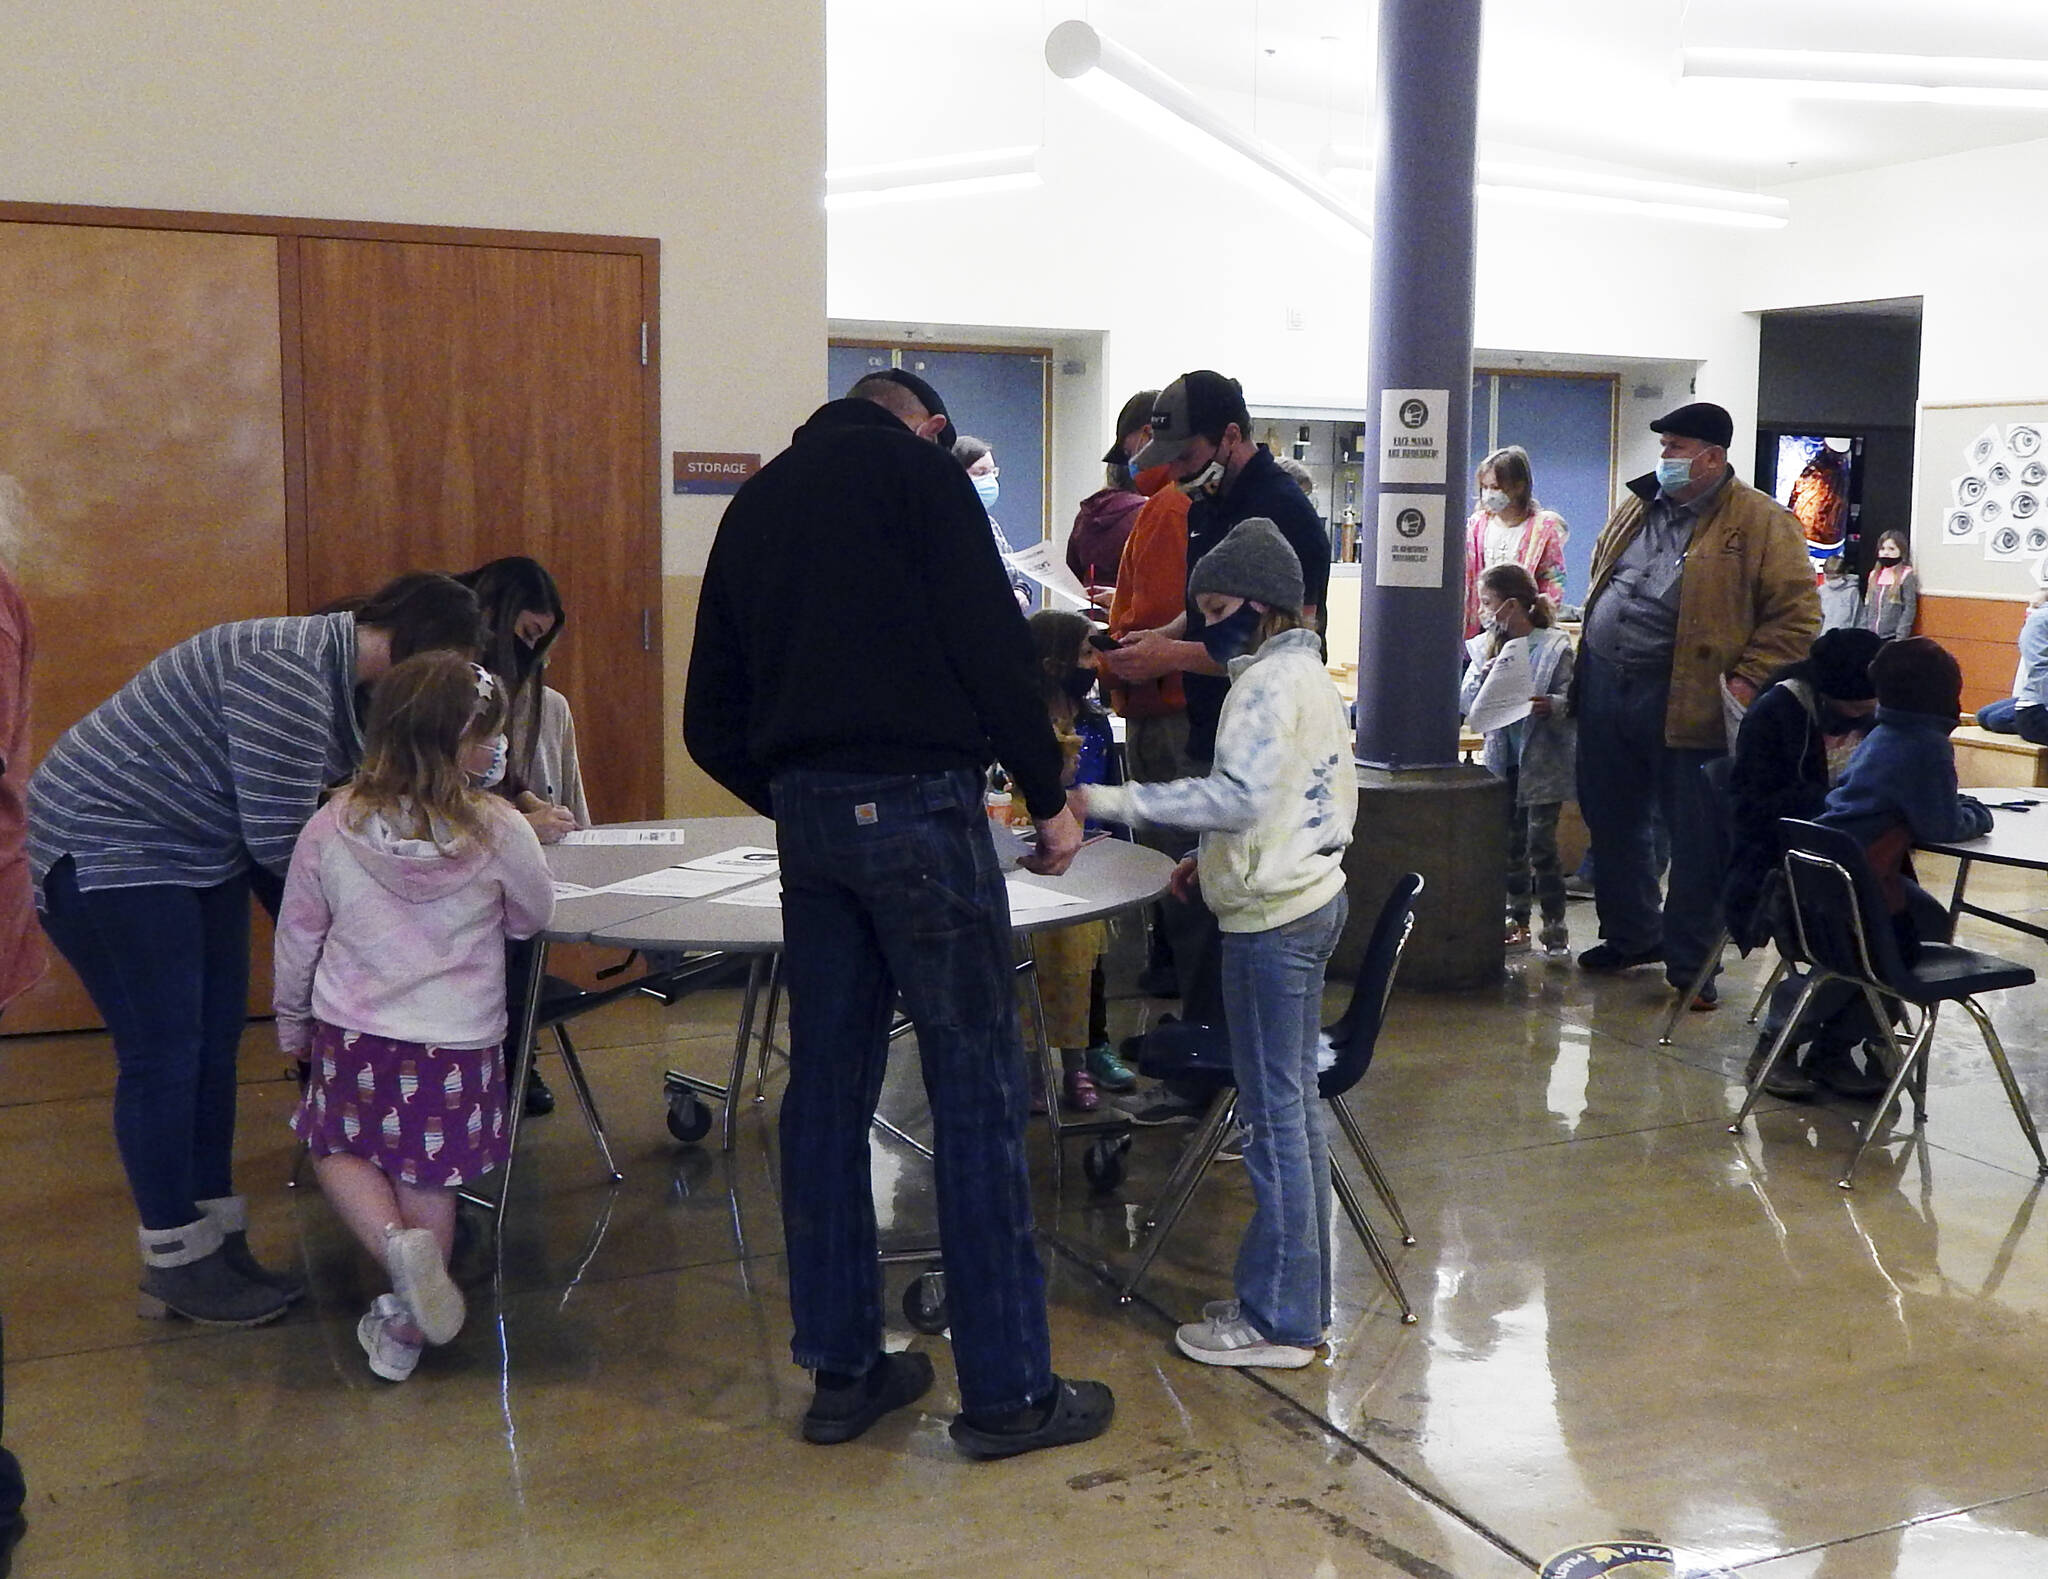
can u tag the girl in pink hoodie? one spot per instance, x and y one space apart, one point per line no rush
391 984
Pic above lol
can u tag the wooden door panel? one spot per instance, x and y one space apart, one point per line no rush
466 402
141 415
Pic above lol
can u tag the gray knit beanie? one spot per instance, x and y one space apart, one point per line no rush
1253 561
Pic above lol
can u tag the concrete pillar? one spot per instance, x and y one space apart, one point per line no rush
1418 809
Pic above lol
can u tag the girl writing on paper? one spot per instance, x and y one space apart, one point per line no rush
1069 959
1533 753
391 984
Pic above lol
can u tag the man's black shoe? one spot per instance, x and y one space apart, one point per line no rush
1606 957
839 1414
1076 1412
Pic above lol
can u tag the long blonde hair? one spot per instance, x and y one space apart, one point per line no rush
422 713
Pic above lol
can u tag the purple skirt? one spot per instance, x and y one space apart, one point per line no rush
431 1116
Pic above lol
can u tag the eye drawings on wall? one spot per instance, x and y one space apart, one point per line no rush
1998 500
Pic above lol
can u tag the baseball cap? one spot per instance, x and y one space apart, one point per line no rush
1195 403
927 397
1136 413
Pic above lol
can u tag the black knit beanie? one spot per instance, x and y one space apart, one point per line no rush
1918 675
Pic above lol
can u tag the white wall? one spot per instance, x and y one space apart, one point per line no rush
700 125
1178 264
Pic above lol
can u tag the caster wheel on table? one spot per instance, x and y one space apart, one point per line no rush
689 1120
1103 1164
924 1302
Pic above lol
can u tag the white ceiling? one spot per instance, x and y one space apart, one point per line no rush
1596 82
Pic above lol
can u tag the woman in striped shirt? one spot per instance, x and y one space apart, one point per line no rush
150 823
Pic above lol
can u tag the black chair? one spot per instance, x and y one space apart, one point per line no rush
1846 934
1355 1036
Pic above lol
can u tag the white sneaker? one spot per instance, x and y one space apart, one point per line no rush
390 1357
420 1279
1235 1139
1224 1337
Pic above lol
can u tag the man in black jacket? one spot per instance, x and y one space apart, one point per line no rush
1201 430
858 661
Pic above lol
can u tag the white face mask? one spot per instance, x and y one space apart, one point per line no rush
1493 501
1205 481
494 775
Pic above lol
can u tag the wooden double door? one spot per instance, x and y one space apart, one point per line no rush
208 420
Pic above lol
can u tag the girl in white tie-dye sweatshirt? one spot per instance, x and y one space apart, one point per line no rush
1275 814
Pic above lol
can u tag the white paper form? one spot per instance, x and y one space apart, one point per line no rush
1030 896
624 836
1504 694
678 882
762 896
1041 564
749 858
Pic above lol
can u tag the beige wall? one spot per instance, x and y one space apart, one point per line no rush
701 125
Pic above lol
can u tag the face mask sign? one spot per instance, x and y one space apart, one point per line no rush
1229 638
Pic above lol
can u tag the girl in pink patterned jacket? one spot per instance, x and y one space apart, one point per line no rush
391 984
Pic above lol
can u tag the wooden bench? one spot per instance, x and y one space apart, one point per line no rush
1987 760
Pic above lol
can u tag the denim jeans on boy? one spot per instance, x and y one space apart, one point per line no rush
890 884
2011 716
1273 998
168 969
1628 777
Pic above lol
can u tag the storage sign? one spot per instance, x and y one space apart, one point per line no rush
713 471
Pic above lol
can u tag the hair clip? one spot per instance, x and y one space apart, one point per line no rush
486 685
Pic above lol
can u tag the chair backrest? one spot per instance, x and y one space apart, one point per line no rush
1358 1031
1838 911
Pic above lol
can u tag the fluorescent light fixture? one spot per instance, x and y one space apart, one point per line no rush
2020 84
914 180
1594 191
1133 87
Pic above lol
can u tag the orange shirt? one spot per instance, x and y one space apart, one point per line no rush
1152 590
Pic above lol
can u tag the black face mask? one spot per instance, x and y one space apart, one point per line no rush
1079 683
1228 639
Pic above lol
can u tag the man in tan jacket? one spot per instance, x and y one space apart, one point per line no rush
1698 581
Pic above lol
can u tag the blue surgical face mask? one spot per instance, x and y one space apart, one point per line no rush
989 488
1228 638
493 775
1674 472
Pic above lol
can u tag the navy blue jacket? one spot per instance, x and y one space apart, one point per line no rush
1260 489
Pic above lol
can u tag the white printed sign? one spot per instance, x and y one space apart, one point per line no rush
1410 547
1414 435
1041 564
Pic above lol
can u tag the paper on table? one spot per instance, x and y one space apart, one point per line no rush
624 836
1041 564
572 890
1029 896
1504 694
762 896
740 858
677 882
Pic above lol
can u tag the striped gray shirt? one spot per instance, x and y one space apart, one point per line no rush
214 754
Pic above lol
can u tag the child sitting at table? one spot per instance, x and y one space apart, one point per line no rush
1900 786
390 978
1069 959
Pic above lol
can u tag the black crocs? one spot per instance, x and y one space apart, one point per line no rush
839 1414
1078 1412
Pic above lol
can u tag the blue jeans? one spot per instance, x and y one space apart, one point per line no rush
2014 717
890 884
168 969
1273 998
1628 778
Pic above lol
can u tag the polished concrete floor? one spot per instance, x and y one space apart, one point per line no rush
1632 1324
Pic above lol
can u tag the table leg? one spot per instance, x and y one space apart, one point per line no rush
519 1051
758 969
